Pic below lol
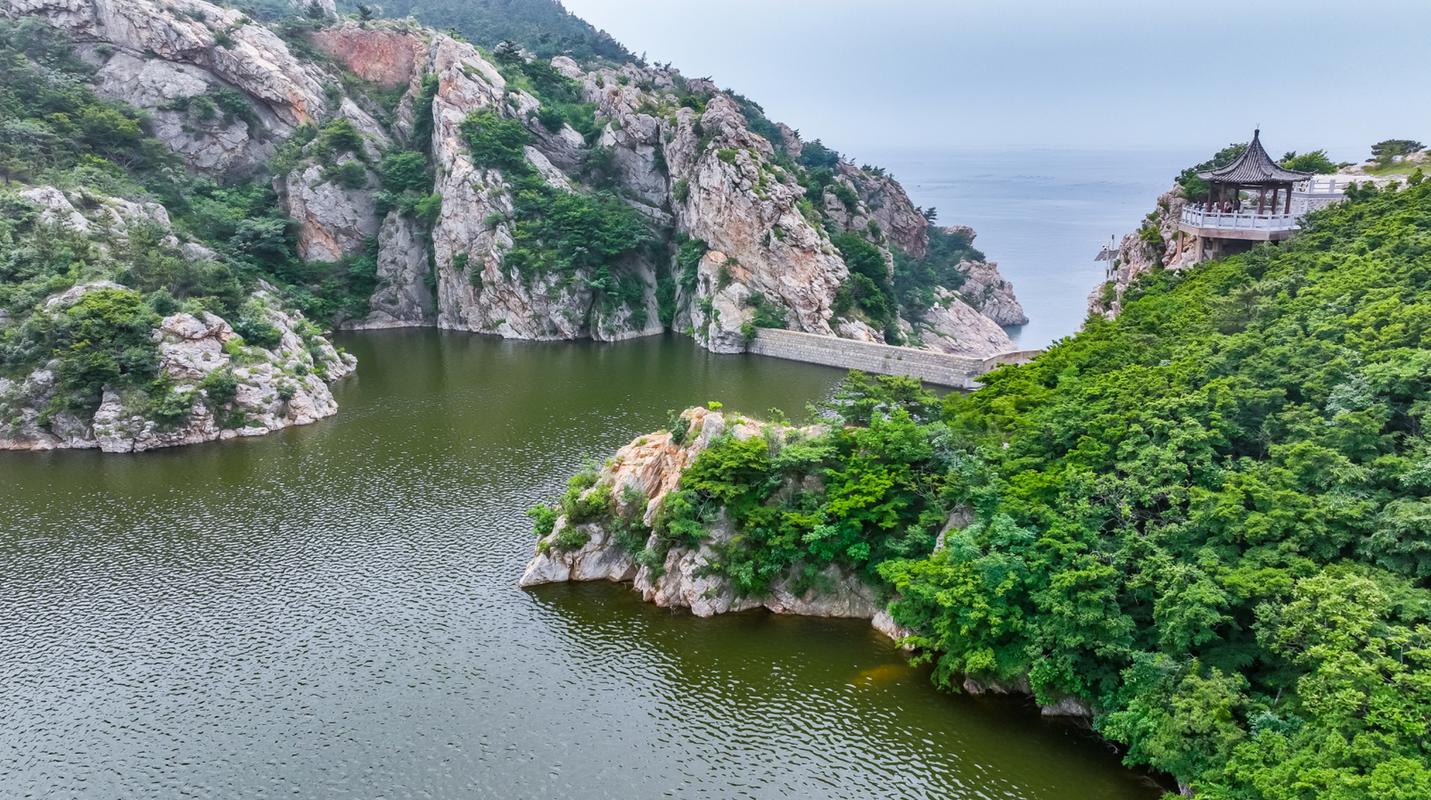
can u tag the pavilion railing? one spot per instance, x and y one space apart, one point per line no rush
1238 220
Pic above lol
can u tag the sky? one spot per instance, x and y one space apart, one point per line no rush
1118 74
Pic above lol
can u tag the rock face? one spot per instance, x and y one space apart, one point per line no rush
334 220
161 60
953 326
749 212
381 53
227 93
403 297
274 388
1153 246
649 469
987 292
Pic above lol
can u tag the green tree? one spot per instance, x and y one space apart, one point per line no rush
1390 150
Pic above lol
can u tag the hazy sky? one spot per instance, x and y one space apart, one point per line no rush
1117 73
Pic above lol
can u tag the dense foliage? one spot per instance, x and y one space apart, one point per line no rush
869 288
917 279
1316 162
542 26
1208 519
1388 150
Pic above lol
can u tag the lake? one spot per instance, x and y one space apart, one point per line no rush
333 611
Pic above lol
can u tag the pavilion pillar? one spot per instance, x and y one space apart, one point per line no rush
1275 190
1289 201
1261 198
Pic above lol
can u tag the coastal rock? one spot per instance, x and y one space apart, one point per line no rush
884 622
952 326
981 686
1155 245
987 292
1068 707
650 468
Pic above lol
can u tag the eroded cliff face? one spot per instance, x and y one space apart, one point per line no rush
230 96
173 60
1155 245
639 477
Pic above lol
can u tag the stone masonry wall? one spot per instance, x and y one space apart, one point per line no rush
882 359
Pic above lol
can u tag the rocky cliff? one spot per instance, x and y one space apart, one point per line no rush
697 164
1155 245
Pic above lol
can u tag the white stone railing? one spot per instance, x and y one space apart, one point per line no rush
1325 184
1238 220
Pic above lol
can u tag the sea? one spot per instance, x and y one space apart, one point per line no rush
1041 214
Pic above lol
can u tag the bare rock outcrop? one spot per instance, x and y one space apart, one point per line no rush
475 289
744 208
160 55
182 101
953 326
334 220
990 294
403 297
386 54
885 203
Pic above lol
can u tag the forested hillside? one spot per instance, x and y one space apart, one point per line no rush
543 26
1206 523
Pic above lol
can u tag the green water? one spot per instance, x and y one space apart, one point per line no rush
332 611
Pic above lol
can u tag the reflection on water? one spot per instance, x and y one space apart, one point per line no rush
332 611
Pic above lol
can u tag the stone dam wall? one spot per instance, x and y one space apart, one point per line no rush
939 369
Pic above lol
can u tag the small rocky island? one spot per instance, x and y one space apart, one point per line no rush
611 528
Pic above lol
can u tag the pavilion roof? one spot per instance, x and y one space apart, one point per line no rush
1255 167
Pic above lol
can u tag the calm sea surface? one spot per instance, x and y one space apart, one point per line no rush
332 611
1041 214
